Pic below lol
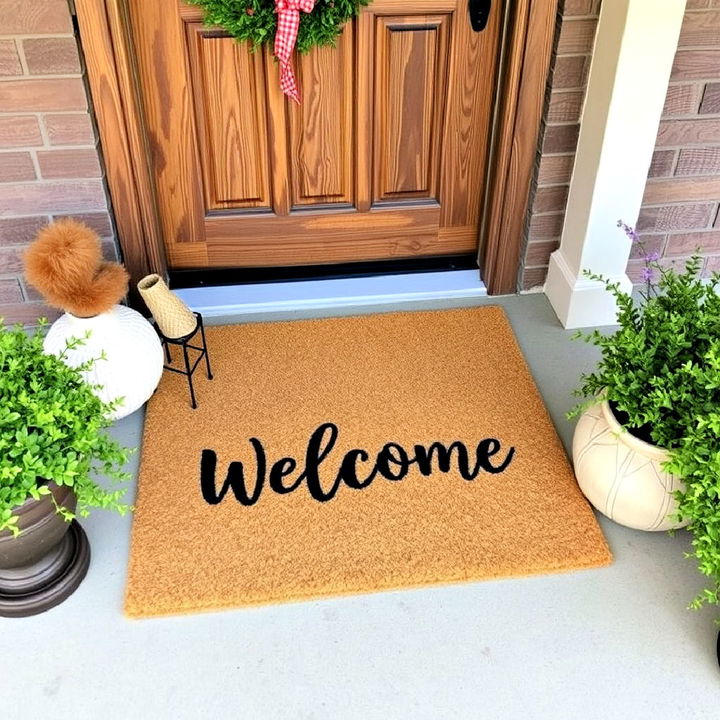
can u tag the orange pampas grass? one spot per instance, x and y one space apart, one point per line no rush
65 265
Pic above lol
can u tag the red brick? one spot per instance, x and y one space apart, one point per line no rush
581 7
675 217
70 195
11 259
80 163
51 56
570 72
687 243
30 293
712 265
697 4
699 161
700 29
555 169
696 65
19 131
99 222
109 250
10 292
9 60
662 163
34 17
69 129
663 191
28 313
650 244
711 99
20 230
538 253
533 277
576 36
16 166
565 107
688 132
546 227
682 99
550 199
560 138
43 94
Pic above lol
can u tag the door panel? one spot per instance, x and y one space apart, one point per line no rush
385 157
410 82
231 130
322 128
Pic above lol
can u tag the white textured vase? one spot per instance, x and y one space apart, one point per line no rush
134 354
621 475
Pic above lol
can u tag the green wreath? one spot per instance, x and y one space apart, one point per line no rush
255 21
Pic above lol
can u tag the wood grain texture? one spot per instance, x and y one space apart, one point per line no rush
411 85
229 94
160 44
468 119
523 90
111 77
321 238
322 127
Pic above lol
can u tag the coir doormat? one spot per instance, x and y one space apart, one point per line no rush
350 455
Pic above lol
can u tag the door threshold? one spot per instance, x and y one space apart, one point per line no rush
328 294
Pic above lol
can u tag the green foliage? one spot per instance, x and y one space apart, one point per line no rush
52 428
662 369
255 21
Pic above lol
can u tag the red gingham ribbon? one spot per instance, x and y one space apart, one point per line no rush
288 22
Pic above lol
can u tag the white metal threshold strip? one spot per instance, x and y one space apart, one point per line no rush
327 294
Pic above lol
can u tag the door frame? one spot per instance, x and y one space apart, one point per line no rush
528 32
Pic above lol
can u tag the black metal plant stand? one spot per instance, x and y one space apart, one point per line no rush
184 342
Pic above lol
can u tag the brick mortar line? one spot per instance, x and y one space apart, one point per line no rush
699 81
40 180
565 91
684 117
35 162
30 148
49 76
32 36
21 56
693 146
675 162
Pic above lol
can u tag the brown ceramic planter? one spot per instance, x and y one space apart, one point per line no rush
45 564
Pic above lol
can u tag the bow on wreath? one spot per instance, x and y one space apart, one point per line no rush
288 23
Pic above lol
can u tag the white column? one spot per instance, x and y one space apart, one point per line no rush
629 74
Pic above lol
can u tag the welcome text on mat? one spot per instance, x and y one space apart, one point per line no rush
392 462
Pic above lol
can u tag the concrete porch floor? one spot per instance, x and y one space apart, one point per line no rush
616 642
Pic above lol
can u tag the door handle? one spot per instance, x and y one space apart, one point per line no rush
479 13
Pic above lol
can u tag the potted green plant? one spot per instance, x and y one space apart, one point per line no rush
647 445
53 445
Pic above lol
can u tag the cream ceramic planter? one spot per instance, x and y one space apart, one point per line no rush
621 475
133 360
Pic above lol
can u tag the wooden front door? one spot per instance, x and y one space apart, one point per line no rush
384 159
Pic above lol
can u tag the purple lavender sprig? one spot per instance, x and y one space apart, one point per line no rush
651 258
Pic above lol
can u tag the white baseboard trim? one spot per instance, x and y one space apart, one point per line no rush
578 301
360 292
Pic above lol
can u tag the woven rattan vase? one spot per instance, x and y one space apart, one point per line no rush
173 316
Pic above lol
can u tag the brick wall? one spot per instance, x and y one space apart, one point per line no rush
680 206
49 160
577 22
